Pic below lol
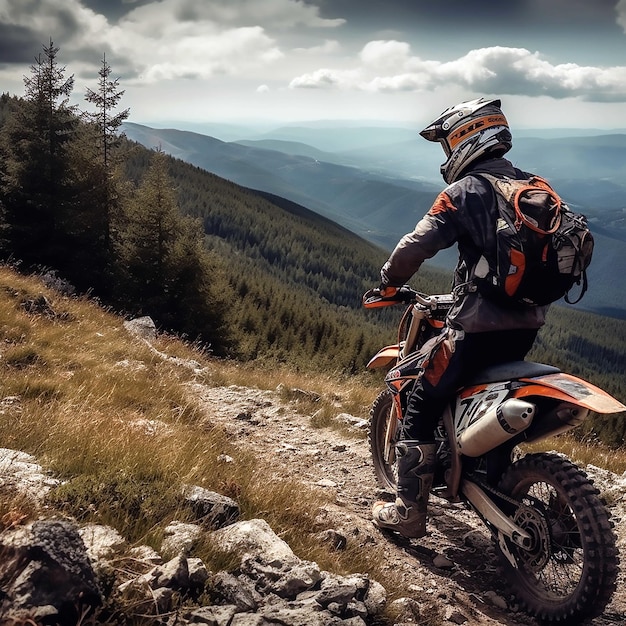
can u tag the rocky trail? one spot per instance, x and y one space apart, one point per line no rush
455 564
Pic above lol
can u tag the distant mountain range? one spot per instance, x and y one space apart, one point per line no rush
379 181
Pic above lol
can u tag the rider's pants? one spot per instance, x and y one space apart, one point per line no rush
447 361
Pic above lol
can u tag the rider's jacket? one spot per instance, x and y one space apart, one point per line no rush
464 213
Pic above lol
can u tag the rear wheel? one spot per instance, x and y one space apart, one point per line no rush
382 435
569 572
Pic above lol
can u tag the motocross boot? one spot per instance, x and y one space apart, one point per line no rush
407 515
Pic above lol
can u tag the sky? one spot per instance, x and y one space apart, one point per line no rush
553 63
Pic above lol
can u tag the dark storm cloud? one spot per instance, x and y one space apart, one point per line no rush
462 13
18 44
21 43
113 10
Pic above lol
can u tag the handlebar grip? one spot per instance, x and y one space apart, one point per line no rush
375 298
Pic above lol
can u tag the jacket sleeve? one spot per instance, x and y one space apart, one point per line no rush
434 232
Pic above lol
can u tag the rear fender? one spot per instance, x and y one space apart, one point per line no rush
575 397
562 386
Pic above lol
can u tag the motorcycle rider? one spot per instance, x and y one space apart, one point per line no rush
478 332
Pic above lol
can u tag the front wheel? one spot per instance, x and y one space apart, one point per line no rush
570 570
383 427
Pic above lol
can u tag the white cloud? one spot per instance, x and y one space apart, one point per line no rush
389 66
277 14
195 55
169 39
386 55
329 46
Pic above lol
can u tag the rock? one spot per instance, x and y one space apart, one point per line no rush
198 573
350 420
174 574
142 327
101 542
145 554
254 537
21 472
286 578
162 598
246 619
297 614
326 482
180 538
302 394
340 590
213 509
496 600
44 571
213 615
332 538
443 562
238 592
406 610
375 598
455 617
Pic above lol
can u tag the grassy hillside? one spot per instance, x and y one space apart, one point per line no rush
253 275
115 421
297 278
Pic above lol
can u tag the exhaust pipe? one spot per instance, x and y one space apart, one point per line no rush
497 425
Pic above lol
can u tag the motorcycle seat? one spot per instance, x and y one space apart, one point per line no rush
510 371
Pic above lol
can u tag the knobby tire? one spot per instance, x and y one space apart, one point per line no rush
570 572
384 465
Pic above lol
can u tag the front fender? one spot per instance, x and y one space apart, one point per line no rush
384 357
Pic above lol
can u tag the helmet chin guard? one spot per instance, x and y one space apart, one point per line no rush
468 131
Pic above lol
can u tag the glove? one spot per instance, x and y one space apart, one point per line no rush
387 291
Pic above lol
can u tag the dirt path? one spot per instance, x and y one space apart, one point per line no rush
454 564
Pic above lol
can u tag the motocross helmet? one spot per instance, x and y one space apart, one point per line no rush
468 131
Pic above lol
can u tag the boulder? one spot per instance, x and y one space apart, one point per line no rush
45 574
142 327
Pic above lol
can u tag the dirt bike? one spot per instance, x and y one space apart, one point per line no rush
551 529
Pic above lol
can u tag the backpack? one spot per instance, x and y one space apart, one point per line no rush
542 247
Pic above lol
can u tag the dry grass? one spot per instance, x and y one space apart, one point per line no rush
584 452
110 417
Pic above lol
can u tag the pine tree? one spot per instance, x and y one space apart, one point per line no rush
168 274
101 186
108 123
37 180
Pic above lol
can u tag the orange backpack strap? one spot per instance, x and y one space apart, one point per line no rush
513 190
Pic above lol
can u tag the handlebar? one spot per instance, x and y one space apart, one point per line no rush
373 299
